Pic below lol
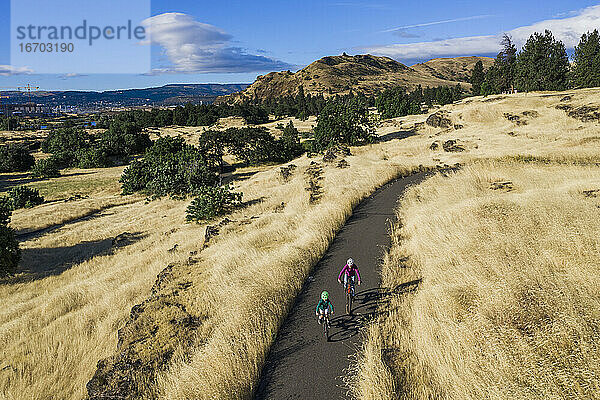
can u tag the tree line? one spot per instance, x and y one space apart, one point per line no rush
542 64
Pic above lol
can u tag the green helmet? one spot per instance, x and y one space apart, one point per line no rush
325 295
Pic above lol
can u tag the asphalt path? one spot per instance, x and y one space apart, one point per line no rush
301 363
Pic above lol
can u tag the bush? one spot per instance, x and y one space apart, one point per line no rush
93 157
169 167
5 210
343 121
290 146
10 254
124 139
46 168
212 202
24 197
65 140
15 159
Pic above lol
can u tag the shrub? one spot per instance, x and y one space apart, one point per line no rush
65 140
92 157
124 139
169 167
15 159
343 121
46 168
10 254
5 210
24 197
290 146
211 202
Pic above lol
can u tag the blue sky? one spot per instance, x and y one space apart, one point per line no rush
234 41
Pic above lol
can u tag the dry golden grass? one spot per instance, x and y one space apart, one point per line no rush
508 306
55 328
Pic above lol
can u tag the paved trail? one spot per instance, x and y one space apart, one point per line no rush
301 365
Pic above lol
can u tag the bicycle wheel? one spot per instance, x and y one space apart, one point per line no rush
326 328
349 302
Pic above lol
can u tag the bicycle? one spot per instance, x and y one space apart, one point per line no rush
326 326
349 296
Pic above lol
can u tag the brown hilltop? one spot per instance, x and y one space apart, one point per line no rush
452 69
360 73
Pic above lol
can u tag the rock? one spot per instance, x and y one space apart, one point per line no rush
434 146
452 146
439 120
506 185
342 164
287 171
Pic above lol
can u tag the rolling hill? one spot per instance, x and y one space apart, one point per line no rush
366 74
452 69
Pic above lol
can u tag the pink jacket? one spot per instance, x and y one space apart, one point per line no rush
349 271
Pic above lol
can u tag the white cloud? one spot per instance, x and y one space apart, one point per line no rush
6 70
568 30
195 47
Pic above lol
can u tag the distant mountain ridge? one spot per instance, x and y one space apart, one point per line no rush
366 74
161 96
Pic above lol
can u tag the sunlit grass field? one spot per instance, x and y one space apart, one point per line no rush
75 288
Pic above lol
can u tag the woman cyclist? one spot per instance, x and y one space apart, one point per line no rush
350 273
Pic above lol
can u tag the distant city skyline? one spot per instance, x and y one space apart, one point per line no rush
234 41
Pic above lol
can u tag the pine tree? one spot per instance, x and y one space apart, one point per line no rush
477 78
508 64
586 61
542 64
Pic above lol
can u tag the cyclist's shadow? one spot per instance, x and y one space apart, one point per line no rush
368 305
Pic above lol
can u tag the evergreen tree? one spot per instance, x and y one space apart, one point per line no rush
500 77
477 77
542 64
586 61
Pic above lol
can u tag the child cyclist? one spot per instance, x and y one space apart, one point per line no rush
350 273
324 306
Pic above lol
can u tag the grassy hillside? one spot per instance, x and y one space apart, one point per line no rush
493 275
452 69
338 74
80 279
